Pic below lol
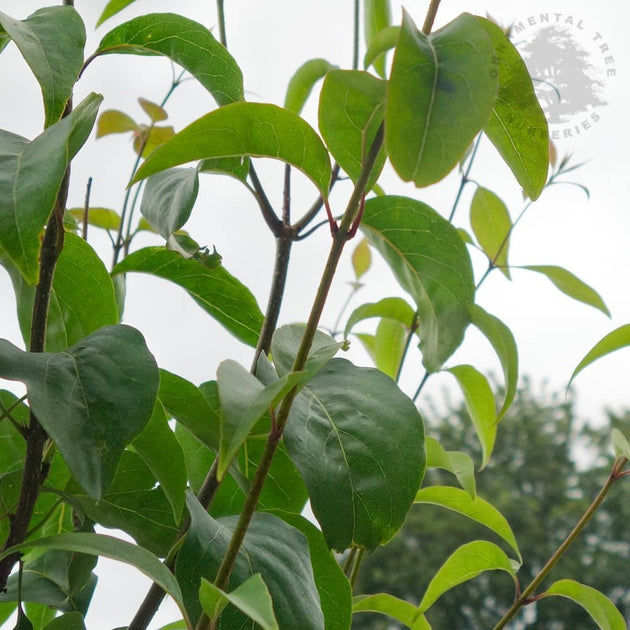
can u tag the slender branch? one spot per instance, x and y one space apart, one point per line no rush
221 17
425 378
525 596
33 472
269 215
86 209
412 329
273 440
465 177
349 561
335 330
430 17
286 196
356 567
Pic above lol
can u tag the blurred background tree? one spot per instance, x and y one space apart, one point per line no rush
542 485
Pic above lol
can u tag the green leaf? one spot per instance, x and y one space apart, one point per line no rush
502 340
109 547
571 285
334 589
391 308
111 8
615 340
135 504
620 443
150 138
358 442
597 605
377 16
474 508
42 616
187 404
459 464
115 121
98 217
159 449
92 400
286 341
361 258
244 400
385 40
351 108
237 167
185 42
480 404
30 176
431 263
441 92
23 622
82 298
303 81
219 294
491 223
69 621
388 347
169 198
254 129
465 563
517 126
271 547
176 625
252 597
154 111
398 609
51 41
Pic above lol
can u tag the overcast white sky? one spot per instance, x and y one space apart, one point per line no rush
270 40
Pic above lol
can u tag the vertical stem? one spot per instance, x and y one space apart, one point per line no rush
430 17
356 567
86 209
221 18
355 46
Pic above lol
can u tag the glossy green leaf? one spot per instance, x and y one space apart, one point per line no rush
109 547
184 41
441 92
398 609
571 285
391 308
474 508
51 41
502 340
480 404
271 547
115 121
168 199
244 400
597 605
376 17
431 263
334 588
219 294
384 40
388 346
159 449
252 598
351 108
135 504
186 403
42 616
491 224
459 464
303 81
82 298
69 621
154 111
361 258
358 442
111 8
615 340
286 341
98 217
30 177
92 399
517 125
465 563
620 444
254 129
23 622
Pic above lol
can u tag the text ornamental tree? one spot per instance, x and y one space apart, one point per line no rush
210 481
